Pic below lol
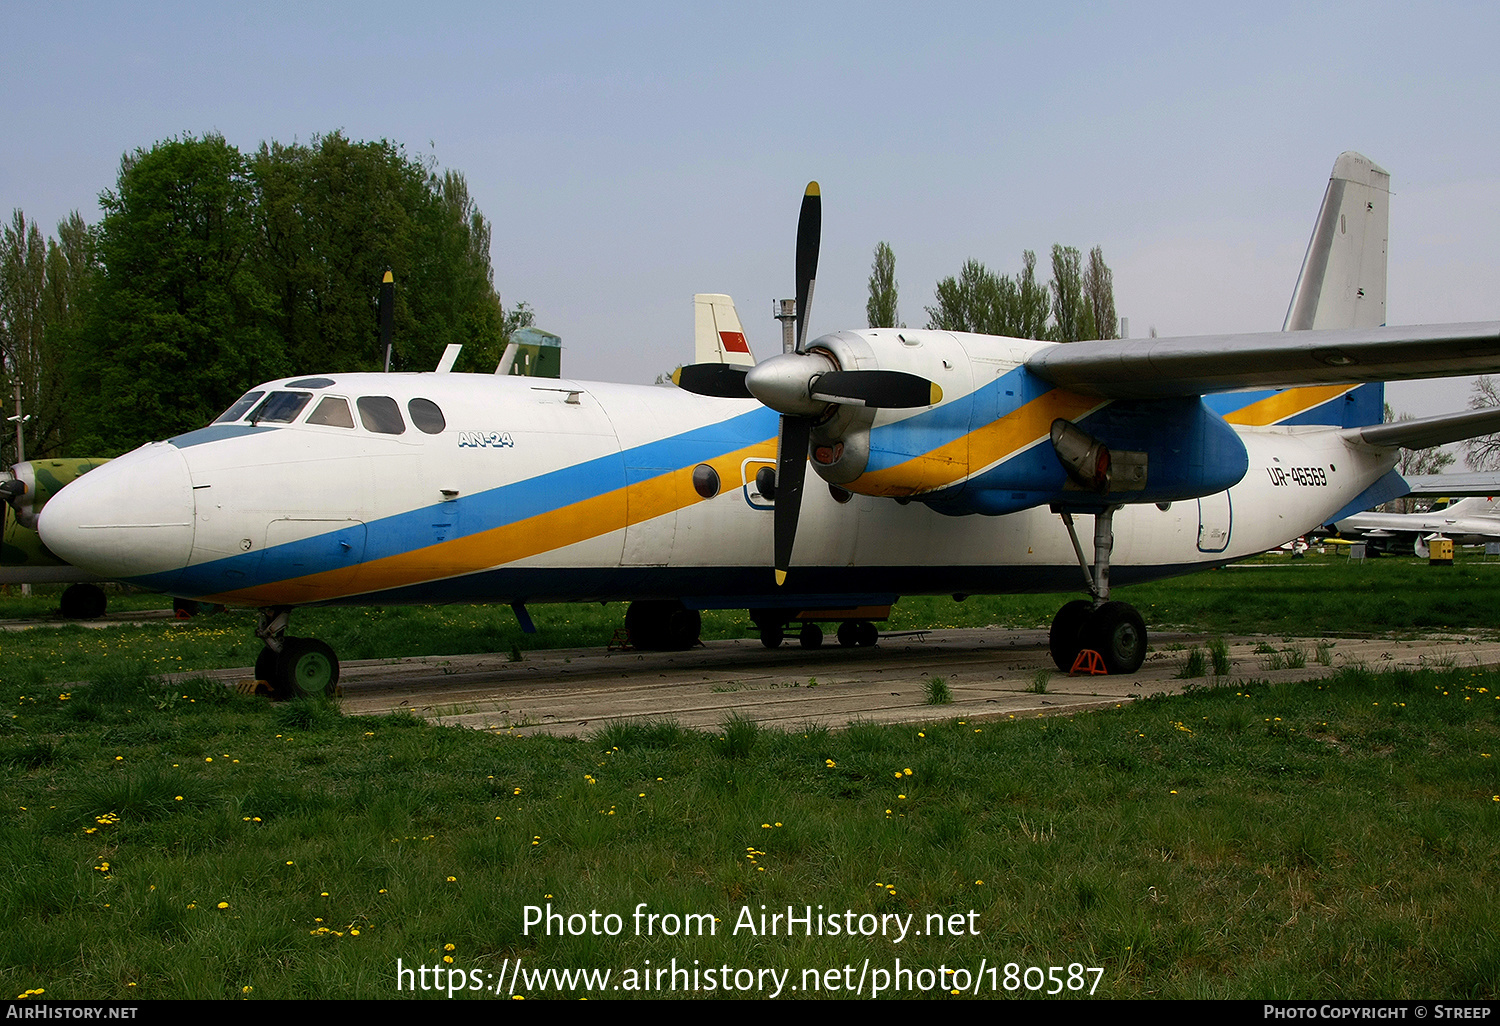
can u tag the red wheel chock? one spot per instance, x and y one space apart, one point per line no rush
1089 662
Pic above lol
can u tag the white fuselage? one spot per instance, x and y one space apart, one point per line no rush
550 490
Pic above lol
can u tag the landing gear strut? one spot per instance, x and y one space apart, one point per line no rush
1113 629
293 666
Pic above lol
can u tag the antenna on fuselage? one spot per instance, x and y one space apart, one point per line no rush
387 315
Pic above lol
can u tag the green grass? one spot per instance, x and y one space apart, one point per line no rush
1324 839
1271 596
1329 839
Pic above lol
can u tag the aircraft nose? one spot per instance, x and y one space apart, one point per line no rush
130 518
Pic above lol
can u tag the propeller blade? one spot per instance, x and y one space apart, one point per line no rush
720 380
879 389
791 468
809 234
387 315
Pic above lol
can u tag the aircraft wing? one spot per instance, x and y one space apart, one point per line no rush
1156 368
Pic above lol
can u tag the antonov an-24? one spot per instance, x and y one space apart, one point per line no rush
949 463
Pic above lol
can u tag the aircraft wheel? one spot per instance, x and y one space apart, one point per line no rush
307 666
83 602
868 633
265 666
1117 632
849 633
1065 639
771 635
811 636
663 626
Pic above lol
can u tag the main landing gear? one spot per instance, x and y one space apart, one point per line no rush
1113 629
293 666
662 625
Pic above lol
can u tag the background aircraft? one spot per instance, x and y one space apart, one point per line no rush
25 489
950 464
1473 520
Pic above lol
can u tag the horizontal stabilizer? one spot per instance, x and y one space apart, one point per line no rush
1426 432
1454 484
1200 364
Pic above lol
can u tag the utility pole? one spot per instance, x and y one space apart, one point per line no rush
20 420
786 313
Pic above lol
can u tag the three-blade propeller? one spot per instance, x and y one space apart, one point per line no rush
800 386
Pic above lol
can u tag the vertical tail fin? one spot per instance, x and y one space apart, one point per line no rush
717 334
1342 284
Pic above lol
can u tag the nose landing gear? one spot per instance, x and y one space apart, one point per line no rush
293 666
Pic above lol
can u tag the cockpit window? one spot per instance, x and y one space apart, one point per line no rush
280 408
240 408
310 383
333 411
426 416
380 414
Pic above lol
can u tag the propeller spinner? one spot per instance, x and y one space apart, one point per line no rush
801 385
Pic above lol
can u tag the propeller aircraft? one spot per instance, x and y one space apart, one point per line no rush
947 463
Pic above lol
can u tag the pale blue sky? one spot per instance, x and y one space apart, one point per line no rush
631 155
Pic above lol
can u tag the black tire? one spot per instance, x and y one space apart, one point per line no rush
307 666
1117 632
811 636
867 633
265 666
683 627
83 602
1065 640
849 633
657 625
771 635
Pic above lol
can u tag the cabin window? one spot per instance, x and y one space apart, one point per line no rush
333 411
240 408
705 480
426 416
380 414
280 407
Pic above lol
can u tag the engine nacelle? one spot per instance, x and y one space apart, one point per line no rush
992 447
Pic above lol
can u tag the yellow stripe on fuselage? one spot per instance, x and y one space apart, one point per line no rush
979 449
612 511
1275 408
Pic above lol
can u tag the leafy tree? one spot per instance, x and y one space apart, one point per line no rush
1099 295
220 270
978 300
1072 319
880 310
181 322
23 280
44 288
332 216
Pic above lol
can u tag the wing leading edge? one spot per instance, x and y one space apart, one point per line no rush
1200 364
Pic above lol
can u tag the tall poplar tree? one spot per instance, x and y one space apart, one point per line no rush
880 309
